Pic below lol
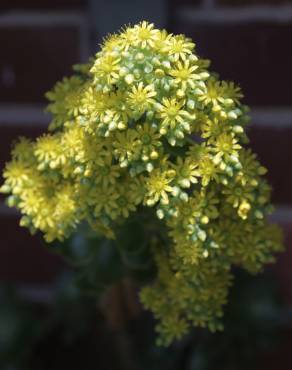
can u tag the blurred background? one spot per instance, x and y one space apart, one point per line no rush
45 322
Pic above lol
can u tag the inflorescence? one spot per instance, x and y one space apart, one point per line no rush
145 124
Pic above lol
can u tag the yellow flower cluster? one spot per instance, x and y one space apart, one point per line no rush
145 124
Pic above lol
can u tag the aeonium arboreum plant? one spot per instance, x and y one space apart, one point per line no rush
145 128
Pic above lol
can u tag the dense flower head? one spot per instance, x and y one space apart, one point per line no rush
145 125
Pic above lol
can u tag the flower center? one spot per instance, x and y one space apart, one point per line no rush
122 201
146 139
104 171
144 34
172 111
184 74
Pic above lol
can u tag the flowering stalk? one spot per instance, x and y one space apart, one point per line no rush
145 124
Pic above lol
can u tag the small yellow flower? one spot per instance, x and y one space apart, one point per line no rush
23 150
149 141
48 149
208 202
145 34
157 186
212 128
107 68
186 172
125 201
236 194
188 212
72 141
179 47
162 39
251 168
111 42
106 202
94 103
141 97
65 98
171 113
127 38
184 74
213 95
126 147
208 170
16 173
231 91
226 147
31 202
107 174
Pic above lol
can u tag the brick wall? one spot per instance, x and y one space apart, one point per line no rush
250 45
40 40
247 40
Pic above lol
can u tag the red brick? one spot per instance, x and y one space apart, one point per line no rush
273 147
175 5
41 4
280 358
24 258
254 55
283 264
33 59
253 2
178 3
